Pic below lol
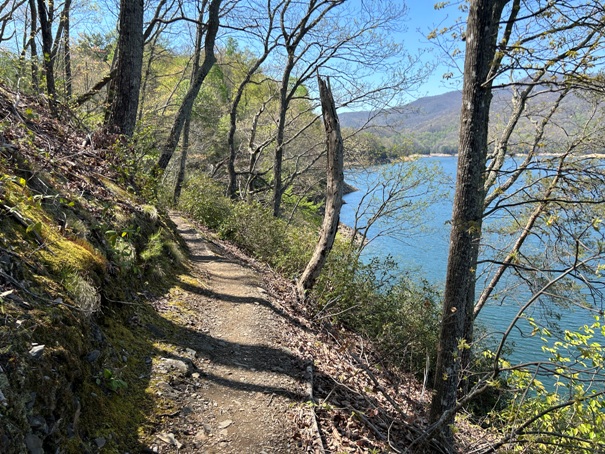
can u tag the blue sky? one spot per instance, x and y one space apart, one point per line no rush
422 18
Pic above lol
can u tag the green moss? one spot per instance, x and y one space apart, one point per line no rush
69 261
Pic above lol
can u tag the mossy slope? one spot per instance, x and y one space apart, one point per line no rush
79 259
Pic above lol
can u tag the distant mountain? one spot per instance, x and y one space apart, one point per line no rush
431 124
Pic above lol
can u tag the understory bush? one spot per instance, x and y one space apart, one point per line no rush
251 226
375 299
204 200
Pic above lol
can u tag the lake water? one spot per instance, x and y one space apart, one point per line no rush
425 255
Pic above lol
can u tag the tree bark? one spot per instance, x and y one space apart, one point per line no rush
457 318
180 178
33 49
187 104
125 102
45 16
334 191
67 50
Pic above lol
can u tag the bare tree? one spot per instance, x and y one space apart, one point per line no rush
334 191
212 26
269 43
7 11
494 47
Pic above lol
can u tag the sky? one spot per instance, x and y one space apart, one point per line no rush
422 18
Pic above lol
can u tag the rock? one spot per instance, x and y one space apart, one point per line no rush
224 424
34 444
190 352
170 439
166 390
175 364
38 422
3 400
199 438
100 442
97 334
93 356
36 351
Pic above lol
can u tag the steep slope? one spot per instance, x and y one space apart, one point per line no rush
77 254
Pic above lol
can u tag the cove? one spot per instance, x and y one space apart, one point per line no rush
424 255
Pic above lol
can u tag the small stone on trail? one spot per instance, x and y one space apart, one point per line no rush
170 439
226 423
175 364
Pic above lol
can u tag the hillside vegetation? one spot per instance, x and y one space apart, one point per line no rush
430 125
77 253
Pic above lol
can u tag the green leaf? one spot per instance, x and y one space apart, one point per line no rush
35 227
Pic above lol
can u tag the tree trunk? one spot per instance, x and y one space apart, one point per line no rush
125 102
45 16
280 135
334 191
67 49
180 178
187 105
232 186
457 321
33 48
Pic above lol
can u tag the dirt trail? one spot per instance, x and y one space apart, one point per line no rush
231 386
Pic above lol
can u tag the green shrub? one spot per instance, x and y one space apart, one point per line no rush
254 229
134 160
400 316
205 201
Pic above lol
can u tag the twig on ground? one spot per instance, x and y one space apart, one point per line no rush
309 373
378 386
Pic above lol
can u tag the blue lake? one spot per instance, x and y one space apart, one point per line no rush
425 255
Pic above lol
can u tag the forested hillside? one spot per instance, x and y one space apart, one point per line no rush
429 125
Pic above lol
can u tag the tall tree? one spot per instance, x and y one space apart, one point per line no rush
197 54
45 14
467 217
546 49
212 26
125 101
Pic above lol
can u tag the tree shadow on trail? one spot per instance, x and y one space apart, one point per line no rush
242 300
181 360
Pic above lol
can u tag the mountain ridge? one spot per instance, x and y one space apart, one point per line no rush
430 125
